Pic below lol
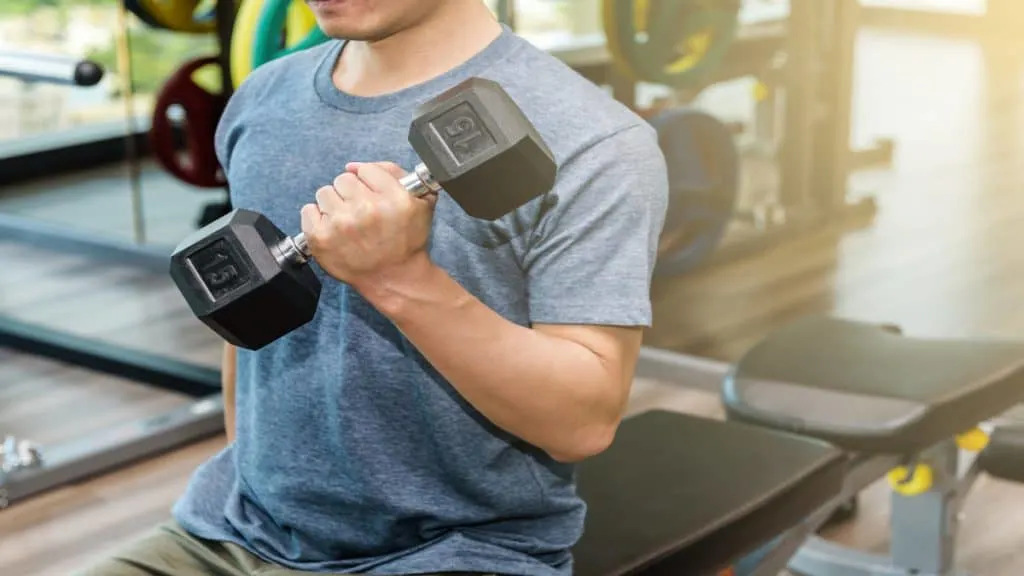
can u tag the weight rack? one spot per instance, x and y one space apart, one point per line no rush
816 40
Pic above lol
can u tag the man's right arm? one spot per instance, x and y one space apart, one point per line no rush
227 380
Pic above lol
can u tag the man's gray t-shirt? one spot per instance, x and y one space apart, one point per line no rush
353 454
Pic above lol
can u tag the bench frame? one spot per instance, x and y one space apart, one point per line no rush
923 527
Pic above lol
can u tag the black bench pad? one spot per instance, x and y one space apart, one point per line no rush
866 388
1004 455
678 494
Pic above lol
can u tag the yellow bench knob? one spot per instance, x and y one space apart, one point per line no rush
911 482
973 440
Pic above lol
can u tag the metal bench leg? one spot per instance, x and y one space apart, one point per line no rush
923 528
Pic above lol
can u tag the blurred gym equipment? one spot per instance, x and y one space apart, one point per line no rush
49 69
256 38
828 381
199 109
29 469
802 159
678 43
176 15
140 12
703 170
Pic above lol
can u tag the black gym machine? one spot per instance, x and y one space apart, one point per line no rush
805 62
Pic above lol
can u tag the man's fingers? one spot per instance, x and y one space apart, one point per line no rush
329 199
310 219
352 189
391 168
429 199
379 179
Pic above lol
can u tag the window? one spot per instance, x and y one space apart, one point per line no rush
34 115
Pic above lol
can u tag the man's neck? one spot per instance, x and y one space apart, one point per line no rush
419 53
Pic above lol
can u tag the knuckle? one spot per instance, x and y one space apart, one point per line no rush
316 240
343 180
345 222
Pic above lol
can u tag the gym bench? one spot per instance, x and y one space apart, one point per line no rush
684 495
817 412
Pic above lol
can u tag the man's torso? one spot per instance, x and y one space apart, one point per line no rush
353 453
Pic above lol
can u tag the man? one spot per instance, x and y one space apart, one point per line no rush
428 419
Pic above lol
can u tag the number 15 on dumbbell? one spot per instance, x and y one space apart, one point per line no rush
249 281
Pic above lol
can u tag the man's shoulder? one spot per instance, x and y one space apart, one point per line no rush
571 113
284 72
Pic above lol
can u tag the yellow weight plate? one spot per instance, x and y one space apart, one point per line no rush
641 13
299 23
696 48
242 38
179 15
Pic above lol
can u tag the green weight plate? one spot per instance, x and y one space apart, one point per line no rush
266 45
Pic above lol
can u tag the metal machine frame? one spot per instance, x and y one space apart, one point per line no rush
121 444
815 159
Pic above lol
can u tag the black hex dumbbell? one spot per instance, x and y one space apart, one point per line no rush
249 282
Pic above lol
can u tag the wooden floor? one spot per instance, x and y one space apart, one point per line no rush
943 259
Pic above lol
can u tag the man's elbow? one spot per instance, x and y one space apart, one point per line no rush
585 443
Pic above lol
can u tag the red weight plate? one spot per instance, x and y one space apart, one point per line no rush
198 164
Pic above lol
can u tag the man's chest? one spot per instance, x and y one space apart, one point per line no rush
277 166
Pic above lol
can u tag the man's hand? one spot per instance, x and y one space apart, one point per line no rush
366 225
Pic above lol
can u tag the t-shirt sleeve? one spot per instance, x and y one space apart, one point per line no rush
592 255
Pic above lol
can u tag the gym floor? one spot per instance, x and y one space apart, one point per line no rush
942 259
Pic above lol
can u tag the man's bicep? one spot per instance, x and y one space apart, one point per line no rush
593 254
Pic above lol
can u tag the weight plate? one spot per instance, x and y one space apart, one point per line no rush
179 15
256 38
140 13
678 43
703 170
202 109
266 43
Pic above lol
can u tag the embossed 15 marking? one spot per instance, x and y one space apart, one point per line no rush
464 133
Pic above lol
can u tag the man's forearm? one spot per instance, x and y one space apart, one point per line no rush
551 392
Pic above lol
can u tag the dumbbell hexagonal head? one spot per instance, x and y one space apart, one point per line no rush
480 147
238 282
